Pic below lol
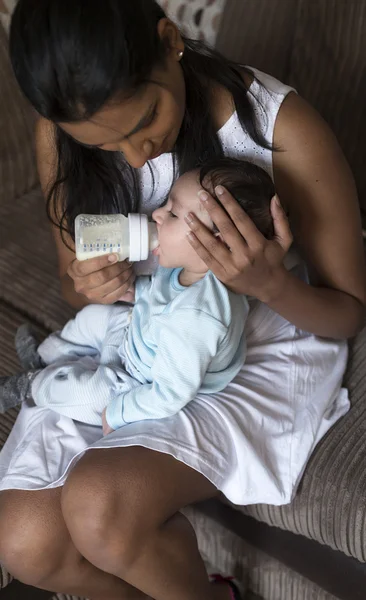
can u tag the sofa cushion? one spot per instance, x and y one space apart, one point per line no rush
10 319
328 68
259 33
28 263
331 501
18 172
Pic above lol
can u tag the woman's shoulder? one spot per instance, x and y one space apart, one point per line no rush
223 106
268 83
265 91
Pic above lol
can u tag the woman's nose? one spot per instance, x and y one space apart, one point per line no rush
135 155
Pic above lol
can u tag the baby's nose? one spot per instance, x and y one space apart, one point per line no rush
157 216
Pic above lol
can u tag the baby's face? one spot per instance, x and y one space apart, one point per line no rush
174 249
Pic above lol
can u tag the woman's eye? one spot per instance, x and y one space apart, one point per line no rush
151 118
173 215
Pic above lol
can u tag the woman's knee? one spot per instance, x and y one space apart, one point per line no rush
32 542
108 511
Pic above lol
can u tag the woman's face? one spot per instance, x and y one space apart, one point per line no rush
144 126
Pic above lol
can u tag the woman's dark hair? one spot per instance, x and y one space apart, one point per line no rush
250 185
71 57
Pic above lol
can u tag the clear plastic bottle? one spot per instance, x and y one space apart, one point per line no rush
131 237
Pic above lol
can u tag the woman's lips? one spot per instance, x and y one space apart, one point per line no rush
155 252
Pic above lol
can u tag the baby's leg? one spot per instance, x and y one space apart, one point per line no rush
82 336
80 389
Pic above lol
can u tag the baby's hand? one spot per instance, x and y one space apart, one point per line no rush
129 296
106 428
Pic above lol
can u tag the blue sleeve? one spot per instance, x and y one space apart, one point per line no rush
188 341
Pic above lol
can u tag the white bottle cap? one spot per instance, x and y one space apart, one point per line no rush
139 237
144 237
134 223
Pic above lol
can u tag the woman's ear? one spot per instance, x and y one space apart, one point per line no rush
172 39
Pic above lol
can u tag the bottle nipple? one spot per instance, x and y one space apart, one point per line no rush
153 236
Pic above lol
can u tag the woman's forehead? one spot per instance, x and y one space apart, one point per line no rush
116 119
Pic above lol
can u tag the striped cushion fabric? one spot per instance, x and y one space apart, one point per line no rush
228 554
258 33
9 321
18 172
328 67
28 264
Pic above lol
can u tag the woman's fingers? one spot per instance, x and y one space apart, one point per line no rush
209 248
112 291
81 268
235 227
282 231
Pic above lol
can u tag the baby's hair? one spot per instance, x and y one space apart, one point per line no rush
250 185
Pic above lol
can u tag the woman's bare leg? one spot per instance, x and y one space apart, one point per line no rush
36 548
121 508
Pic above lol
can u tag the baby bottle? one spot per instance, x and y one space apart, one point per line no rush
131 237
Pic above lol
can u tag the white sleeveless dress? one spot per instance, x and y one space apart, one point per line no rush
252 440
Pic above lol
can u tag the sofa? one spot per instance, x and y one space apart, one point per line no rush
314 548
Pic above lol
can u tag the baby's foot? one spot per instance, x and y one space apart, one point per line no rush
26 344
15 389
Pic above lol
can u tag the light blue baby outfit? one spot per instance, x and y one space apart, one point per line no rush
147 362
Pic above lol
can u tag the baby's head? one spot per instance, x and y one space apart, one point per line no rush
250 185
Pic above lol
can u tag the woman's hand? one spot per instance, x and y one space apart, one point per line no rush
102 280
106 428
247 263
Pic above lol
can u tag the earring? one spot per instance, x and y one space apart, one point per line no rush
180 54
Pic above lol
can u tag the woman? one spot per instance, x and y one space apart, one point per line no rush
127 103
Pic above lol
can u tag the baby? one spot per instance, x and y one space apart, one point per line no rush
184 335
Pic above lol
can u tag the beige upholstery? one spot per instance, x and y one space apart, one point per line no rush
17 164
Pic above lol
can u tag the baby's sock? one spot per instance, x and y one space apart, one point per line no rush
15 389
26 344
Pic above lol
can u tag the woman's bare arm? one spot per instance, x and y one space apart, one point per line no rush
315 184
